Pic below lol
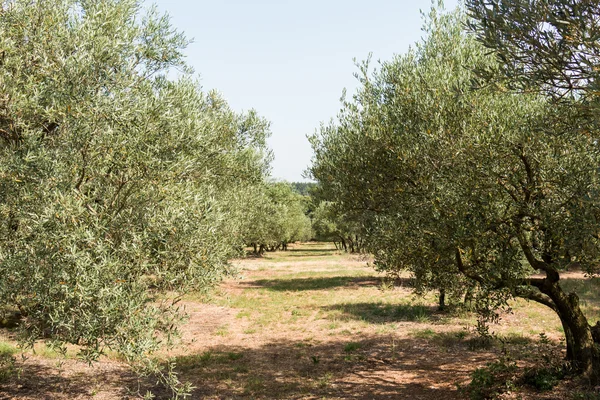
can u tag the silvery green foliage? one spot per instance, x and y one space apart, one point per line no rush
331 224
454 182
117 183
543 45
277 217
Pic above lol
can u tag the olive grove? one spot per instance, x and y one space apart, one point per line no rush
467 185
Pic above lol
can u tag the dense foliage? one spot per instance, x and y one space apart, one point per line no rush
466 186
330 224
277 217
547 45
304 188
117 183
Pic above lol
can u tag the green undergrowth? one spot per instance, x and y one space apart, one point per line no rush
8 367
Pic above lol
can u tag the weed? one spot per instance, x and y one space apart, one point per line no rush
196 360
495 378
424 333
241 369
325 380
254 384
515 338
543 379
8 366
222 331
352 346
234 356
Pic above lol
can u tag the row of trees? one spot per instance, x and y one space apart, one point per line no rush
331 225
277 216
479 169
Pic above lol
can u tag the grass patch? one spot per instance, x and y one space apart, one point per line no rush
7 349
234 356
424 334
223 330
8 366
207 359
314 283
380 312
253 384
352 347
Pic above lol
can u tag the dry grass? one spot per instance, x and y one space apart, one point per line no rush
315 323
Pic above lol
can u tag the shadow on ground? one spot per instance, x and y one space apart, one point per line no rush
385 312
316 250
429 365
374 368
36 378
299 284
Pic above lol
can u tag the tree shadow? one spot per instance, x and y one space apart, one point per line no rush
427 365
317 250
384 312
314 254
37 378
372 368
301 284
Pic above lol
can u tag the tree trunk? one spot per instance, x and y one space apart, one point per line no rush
581 348
468 299
442 300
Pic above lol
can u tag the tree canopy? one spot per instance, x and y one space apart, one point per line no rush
117 182
459 183
542 45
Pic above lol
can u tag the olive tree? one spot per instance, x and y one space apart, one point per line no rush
117 183
458 183
331 224
553 46
278 217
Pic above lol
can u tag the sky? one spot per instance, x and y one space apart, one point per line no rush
291 60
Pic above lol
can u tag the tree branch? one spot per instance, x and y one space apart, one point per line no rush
465 271
538 298
551 273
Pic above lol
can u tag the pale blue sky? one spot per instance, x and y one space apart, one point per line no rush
290 60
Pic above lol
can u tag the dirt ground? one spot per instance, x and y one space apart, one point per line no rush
310 323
